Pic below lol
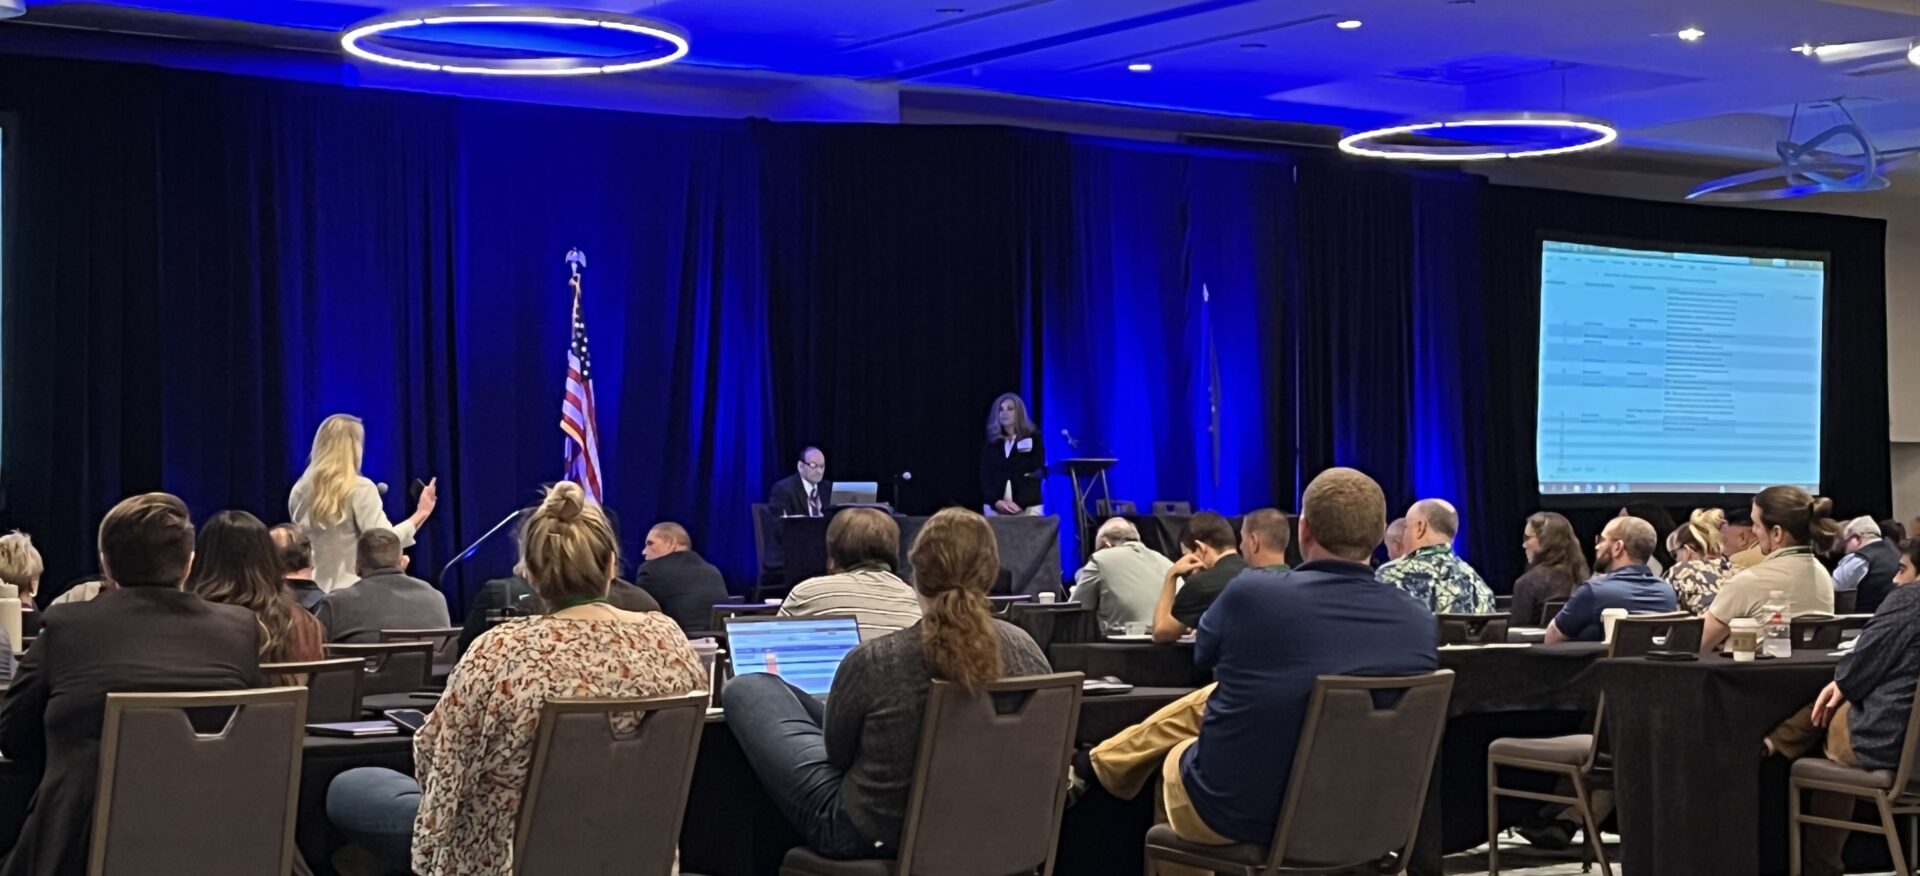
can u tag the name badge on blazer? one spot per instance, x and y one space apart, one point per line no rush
1023 445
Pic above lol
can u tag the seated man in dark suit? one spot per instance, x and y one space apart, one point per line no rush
685 585
806 492
142 634
296 563
384 598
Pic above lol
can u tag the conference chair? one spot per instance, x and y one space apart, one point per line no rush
1818 632
392 667
608 786
1472 629
1050 622
446 646
1359 782
333 686
1637 634
989 784
1503 602
1581 759
1845 601
171 799
1549 609
1893 793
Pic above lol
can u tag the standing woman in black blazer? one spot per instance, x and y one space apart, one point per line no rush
1014 460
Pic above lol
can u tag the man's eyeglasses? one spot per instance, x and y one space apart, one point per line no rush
816 466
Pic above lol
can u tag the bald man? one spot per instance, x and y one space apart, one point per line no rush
1396 539
1625 581
685 585
1430 571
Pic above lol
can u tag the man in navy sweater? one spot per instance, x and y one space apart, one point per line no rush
1225 752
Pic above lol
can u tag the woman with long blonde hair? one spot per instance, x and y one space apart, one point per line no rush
1014 460
841 772
473 755
333 502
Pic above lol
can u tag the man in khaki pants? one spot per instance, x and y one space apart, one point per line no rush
1224 753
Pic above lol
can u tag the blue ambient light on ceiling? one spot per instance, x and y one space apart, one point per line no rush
516 41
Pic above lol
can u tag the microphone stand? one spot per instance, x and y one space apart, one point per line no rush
475 547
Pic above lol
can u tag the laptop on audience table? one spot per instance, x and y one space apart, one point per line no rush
805 651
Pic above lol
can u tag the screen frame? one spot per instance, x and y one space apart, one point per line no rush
11 153
1579 501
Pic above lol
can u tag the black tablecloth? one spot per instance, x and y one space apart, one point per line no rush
1133 663
1029 548
1687 744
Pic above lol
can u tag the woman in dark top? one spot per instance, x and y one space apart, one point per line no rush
840 772
1555 566
1014 460
235 562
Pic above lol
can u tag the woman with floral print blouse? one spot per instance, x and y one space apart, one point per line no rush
472 756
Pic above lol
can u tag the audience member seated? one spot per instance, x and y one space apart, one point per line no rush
1211 561
1662 522
235 563
683 583
1224 753
1785 521
862 546
1396 541
1862 713
1430 571
1555 565
1698 568
1894 531
1739 543
1121 579
384 598
20 565
143 634
296 563
1264 537
1869 565
806 492
473 754
841 771
1620 555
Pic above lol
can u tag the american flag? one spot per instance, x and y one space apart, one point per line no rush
576 409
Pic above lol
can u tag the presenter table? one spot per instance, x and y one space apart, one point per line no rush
1029 549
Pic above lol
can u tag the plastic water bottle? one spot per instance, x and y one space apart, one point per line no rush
1779 630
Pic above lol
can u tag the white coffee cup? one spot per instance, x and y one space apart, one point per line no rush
1048 598
1744 640
1607 618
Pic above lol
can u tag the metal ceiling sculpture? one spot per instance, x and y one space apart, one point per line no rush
1810 167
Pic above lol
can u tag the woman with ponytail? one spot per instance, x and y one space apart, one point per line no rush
840 772
1787 521
473 754
1698 566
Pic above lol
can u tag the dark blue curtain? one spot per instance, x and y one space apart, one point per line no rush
1162 351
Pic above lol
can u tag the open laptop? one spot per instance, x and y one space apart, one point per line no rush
854 493
806 651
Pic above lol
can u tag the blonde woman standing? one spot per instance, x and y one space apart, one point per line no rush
333 503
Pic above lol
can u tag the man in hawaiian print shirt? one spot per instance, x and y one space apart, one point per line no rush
1430 572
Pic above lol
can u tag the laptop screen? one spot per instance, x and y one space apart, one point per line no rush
806 651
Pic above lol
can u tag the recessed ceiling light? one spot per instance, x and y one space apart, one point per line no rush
1691 34
1349 24
1806 49
1141 67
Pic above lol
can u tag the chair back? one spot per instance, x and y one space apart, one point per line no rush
333 686
766 529
392 667
1360 772
171 799
608 785
1845 601
990 780
1633 635
1906 777
446 645
1044 622
1817 632
1549 608
1472 629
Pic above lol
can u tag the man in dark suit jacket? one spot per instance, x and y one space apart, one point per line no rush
686 585
806 492
145 634
385 597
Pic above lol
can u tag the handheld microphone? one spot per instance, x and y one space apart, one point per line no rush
382 487
906 475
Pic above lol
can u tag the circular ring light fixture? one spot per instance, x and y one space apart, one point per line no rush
1595 134
661 44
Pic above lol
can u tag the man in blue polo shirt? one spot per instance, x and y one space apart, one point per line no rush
1225 752
1621 555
